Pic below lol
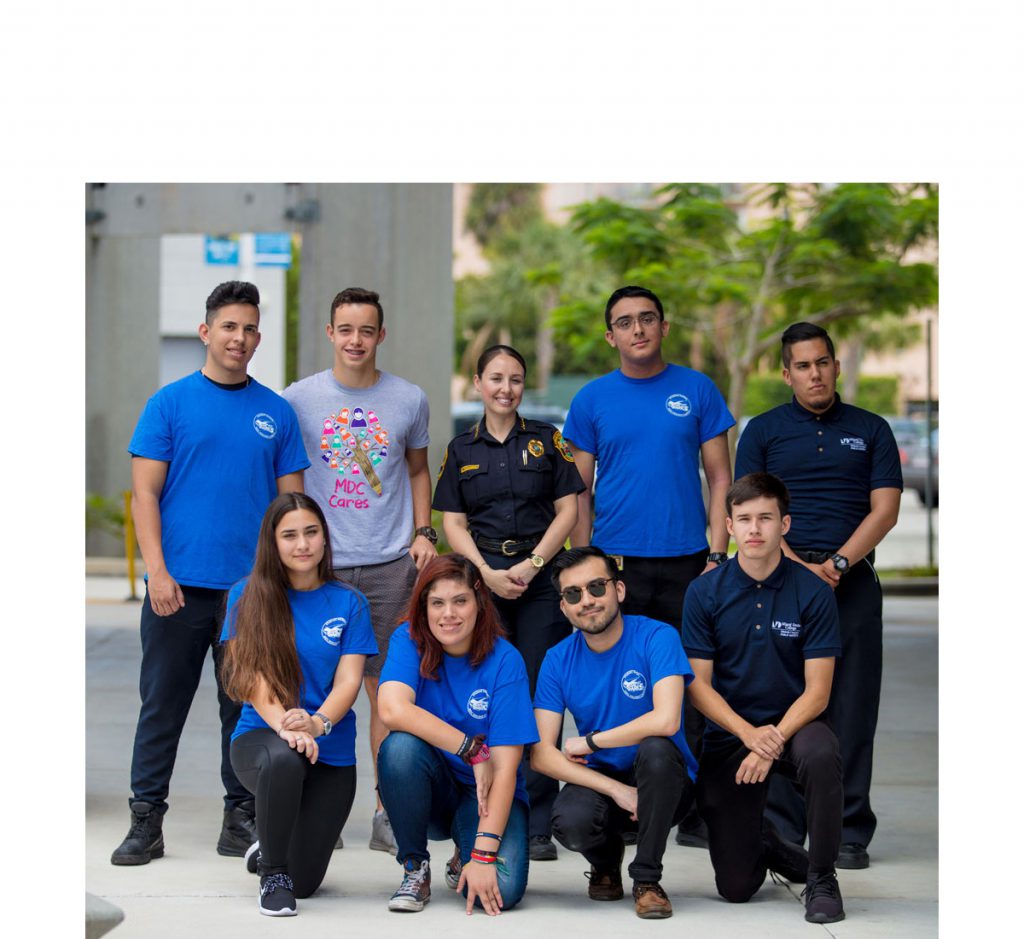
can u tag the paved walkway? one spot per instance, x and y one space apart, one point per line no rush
194 890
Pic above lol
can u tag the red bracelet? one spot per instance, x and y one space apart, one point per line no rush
483 858
481 756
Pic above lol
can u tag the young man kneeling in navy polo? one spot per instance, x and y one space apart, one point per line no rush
762 634
621 678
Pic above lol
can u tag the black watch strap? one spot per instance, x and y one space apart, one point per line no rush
594 747
718 557
428 532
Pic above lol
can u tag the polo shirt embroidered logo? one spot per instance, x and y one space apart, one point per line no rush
854 443
786 630
264 425
633 684
678 405
478 703
331 631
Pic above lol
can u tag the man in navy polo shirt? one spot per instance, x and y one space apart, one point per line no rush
642 431
842 469
209 454
762 635
622 679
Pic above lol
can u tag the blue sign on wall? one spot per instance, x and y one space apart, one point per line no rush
273 249
222 250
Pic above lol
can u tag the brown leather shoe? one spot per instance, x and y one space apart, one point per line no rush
604 885
651 902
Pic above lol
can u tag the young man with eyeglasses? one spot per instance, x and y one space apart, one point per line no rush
642 432
622 679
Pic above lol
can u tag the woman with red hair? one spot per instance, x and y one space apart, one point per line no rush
456 698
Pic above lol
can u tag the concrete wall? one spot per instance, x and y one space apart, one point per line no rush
393 238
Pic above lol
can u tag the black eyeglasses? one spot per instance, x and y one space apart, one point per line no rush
596 588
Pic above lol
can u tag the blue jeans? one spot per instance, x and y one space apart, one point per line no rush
424 800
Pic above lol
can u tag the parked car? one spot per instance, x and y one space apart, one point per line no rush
914 457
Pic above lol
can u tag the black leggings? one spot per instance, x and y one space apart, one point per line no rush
301 807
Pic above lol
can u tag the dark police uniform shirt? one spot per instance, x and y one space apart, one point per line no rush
758 634
507 490
829 462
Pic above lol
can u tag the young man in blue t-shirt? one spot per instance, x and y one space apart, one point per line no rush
641 432
622 679
209 454
762 634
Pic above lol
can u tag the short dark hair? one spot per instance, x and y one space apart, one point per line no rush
576 556
231 291
493 352
755 485
631 291
358 295
801 332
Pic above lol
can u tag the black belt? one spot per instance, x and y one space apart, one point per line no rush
510 547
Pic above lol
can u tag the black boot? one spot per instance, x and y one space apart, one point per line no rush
145 839
238 833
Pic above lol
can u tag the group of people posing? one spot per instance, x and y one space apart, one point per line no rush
735 698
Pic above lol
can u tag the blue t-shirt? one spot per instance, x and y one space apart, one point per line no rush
829 462
492 699
607 689
646 434
758 634
331 621
225 451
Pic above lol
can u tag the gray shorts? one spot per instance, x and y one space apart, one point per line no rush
387 588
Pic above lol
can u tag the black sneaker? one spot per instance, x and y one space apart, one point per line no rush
695 836
277 895
783 857
824 903
252 858
145 839
238 833
542 848
853 857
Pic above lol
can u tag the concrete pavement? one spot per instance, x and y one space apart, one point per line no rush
193 889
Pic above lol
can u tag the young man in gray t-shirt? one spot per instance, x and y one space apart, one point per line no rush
365 433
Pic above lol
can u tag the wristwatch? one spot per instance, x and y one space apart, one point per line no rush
537 561
327 724
718 557
841 564
429 533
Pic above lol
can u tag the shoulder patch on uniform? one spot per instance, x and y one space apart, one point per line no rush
444 460
535 447
468 467
562 447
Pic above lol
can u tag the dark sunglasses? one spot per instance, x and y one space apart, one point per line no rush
596 588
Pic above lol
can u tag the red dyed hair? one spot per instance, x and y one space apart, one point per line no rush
488 622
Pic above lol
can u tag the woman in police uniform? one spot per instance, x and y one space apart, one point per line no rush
507 488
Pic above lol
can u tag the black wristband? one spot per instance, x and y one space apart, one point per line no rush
594 747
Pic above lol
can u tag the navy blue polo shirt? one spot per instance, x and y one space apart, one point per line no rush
507 489
829 462
758 634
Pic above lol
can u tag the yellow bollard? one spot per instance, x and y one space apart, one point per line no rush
129 542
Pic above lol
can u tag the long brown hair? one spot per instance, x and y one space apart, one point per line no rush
488 623
263 643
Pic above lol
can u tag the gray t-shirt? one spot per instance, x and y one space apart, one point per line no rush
356 440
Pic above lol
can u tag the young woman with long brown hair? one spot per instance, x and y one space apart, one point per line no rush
298 641
456 698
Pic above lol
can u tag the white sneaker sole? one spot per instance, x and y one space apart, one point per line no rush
406 905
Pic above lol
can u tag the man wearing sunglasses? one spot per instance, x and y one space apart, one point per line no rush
622 678
762 633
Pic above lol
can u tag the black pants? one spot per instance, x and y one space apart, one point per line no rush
534 622
301 807
174 650
592 824
734 811
852 711
656 587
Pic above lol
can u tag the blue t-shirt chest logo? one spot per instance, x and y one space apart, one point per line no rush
264 425
786 630
678 405
478 703
331 631
633 684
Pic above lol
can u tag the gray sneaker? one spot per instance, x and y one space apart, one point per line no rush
382 838
414 892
